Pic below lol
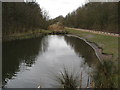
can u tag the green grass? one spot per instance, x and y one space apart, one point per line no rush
106 75
43 31
32 32
26 35
109 44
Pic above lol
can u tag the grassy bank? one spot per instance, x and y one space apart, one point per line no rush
109 44
30 34
24 35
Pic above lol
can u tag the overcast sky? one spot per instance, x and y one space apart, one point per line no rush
60 7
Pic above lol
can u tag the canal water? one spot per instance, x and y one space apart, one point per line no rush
34 62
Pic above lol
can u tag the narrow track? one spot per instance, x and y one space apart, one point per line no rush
96 32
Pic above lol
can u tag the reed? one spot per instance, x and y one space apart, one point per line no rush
106 75
68 80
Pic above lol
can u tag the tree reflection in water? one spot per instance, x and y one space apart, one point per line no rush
41 56
82 49
19 52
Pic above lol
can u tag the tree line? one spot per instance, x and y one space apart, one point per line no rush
22 17
97 16
28 16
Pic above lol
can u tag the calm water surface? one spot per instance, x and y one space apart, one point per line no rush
34 62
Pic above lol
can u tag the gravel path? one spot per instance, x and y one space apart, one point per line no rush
97 32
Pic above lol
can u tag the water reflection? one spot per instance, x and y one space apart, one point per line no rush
82 49
17 53
29 63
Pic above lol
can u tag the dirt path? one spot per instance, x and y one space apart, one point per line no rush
97 32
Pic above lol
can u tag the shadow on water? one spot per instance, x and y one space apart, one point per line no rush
46 54
17 52
82 49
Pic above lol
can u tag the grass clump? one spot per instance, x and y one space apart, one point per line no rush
106 75
68 80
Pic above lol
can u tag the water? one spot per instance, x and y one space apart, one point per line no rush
34 62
